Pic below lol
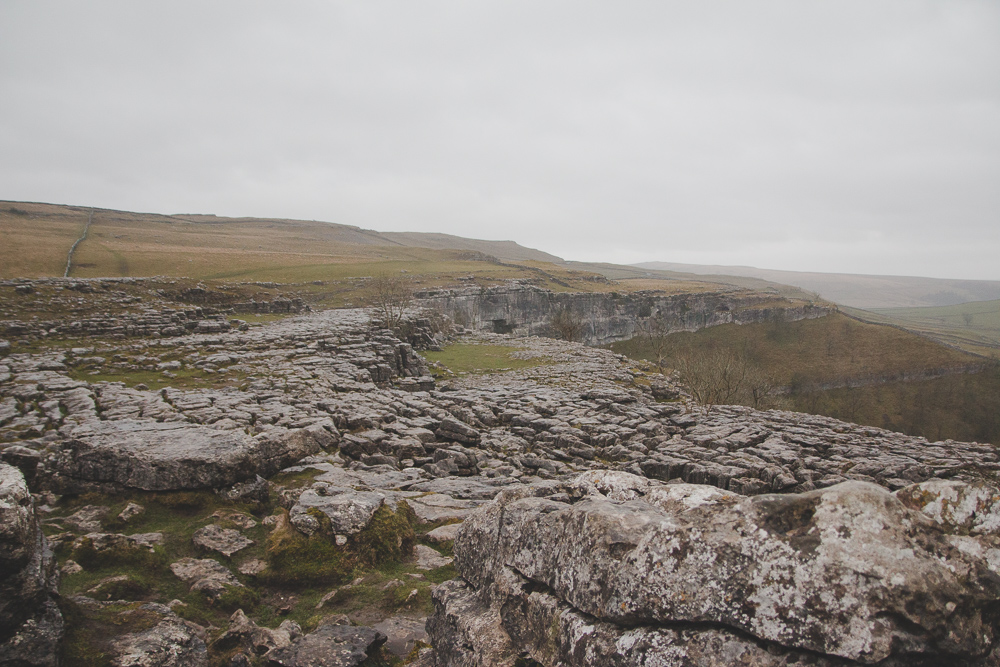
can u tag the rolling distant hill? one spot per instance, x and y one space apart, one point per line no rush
858 291
35 239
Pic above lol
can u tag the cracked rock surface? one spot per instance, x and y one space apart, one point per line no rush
563 570
649 532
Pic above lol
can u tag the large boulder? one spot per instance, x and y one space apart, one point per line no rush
170 642
847 572
330 646
30 623
152 456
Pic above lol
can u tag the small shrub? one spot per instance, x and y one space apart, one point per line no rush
388 538
294 559
184 501
140 558
123 589
238 597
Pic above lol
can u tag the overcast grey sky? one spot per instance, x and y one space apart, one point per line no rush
840 135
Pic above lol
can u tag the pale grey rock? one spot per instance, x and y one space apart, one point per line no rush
436 507
252 567
329 646
35 642
225 541
427 558
445 533
170 643
452 429
402 633
467 632
244 633
968 507
204 575
87 519
131 511
70 567
847 571
101 542
173 455
254 490
31 625
349 511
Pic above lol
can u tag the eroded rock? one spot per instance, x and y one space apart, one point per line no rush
31 625
329 646
848 571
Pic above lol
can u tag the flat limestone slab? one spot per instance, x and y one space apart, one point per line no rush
168 456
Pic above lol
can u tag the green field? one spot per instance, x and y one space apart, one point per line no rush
973 326
465 358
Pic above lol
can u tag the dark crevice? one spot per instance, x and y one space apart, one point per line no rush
531 586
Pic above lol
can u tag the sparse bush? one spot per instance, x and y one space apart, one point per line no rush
392 296
389 537
724 377
566 324
137 557
238 597
294 559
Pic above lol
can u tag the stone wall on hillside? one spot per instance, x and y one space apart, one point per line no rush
525 310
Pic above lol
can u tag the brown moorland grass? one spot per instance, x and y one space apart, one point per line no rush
38 236
827 350
35 238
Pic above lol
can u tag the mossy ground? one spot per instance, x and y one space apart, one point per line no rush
464 358
370 576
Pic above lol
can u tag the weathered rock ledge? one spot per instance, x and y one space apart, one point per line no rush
526 310
611 568
30 622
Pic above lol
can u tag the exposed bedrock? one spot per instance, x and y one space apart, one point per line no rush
152 456
526 310
30 623
611 568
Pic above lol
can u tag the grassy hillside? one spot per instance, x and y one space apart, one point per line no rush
962 407
974 326
857 371
35 240
829 350
855 290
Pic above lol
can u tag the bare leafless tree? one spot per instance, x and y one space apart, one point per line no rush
724 377
653 331
392 295
567 324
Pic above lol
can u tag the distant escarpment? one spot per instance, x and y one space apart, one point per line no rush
598 318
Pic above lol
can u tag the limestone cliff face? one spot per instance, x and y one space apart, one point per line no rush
603 318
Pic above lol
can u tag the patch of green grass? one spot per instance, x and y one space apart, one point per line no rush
185 378
388 538
462 358
89 632
974 326
297 560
